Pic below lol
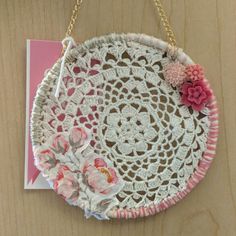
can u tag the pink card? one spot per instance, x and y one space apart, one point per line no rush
41 55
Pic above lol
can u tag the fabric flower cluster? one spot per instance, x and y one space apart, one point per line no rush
191 81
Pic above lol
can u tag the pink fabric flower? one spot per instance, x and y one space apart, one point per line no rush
78 138
174 73
60 144
195 94
194 72
100 177
66 184
45 159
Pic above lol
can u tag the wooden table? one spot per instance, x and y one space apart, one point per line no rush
205 29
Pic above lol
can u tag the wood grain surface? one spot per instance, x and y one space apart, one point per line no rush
205 29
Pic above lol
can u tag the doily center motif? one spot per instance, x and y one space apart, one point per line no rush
127 131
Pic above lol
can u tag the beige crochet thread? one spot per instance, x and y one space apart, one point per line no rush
135 116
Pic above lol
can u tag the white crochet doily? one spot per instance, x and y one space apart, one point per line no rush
113 87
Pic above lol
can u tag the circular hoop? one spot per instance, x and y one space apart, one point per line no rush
116 66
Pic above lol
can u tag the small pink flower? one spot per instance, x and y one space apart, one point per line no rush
194 72
195 94
60 144
66 184
78 138
174 73
100 177
45 160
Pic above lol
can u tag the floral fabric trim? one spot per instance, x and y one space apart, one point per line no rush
81 177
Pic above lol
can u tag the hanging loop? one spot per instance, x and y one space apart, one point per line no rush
164 20
67 44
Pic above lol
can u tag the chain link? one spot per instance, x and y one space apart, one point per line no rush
165 22
159 7
73 18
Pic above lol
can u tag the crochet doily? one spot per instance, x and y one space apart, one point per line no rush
132 127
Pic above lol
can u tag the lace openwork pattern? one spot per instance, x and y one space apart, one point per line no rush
115 88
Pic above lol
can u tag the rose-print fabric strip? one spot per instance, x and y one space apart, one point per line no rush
77 174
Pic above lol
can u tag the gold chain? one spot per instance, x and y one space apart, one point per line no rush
161 12
73 18
165 22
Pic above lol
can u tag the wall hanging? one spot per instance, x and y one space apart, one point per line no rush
124 125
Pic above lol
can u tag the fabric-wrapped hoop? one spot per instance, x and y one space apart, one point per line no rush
121 140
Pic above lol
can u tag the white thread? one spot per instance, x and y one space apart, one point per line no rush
170 131
69 41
